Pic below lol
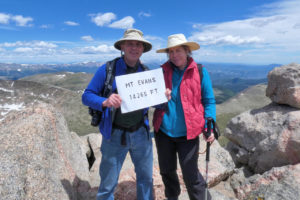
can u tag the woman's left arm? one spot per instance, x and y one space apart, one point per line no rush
207 94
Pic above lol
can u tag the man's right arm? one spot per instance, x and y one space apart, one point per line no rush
90 96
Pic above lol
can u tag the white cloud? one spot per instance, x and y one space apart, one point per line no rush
4 18
19 19
31 44
125 23
87 38
103 19
55 52
22 21
144 14
44 44
270 35
98 49
46 26
107 19
150 37
277 25
282 7
297 26
70 23
23 50
31 50
215 38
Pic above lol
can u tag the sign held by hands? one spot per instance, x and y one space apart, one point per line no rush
141 90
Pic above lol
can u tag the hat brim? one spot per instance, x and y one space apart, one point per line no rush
147 45
192 45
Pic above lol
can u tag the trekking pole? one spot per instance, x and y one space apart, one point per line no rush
211 125
207 134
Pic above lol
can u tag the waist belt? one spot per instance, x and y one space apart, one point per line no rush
129 129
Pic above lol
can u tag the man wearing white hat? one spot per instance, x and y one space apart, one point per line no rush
178 126
122 133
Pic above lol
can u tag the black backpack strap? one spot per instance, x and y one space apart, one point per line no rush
200 71
144 67
106 92
110 73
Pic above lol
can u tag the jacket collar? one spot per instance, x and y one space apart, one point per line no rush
190 64
121 66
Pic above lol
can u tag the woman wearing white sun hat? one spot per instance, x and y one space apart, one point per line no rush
178 126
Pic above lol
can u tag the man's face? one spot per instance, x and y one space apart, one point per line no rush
132 50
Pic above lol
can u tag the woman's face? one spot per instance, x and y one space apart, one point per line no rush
178 56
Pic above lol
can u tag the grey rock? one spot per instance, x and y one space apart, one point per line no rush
284 85
222 191
93 143
220 166
265 138
39 157
279 183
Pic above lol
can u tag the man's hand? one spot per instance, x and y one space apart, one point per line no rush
114 100
168 94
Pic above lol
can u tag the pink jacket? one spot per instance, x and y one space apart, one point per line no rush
190 94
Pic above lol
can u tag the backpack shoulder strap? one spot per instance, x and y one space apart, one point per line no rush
200 71
110 74
144 67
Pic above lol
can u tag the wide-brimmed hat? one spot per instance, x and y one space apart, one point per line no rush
133 34
178 40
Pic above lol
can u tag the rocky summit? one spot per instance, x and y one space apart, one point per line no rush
42 159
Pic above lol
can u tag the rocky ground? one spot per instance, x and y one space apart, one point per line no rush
42 159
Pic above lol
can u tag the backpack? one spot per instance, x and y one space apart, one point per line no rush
107 90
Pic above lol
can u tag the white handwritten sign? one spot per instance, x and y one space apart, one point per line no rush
141 90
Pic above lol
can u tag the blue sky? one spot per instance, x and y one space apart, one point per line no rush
228 31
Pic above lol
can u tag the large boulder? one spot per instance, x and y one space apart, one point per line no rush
284 85
279 183
40 158
265 138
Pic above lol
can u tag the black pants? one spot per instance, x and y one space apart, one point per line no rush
187 150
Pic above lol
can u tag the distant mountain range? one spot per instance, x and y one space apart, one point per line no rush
227 79
17 71
13 71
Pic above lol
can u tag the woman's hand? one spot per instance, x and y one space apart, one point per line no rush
114 100
168 94
211 138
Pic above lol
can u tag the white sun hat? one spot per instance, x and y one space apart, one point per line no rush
178 40
133 34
